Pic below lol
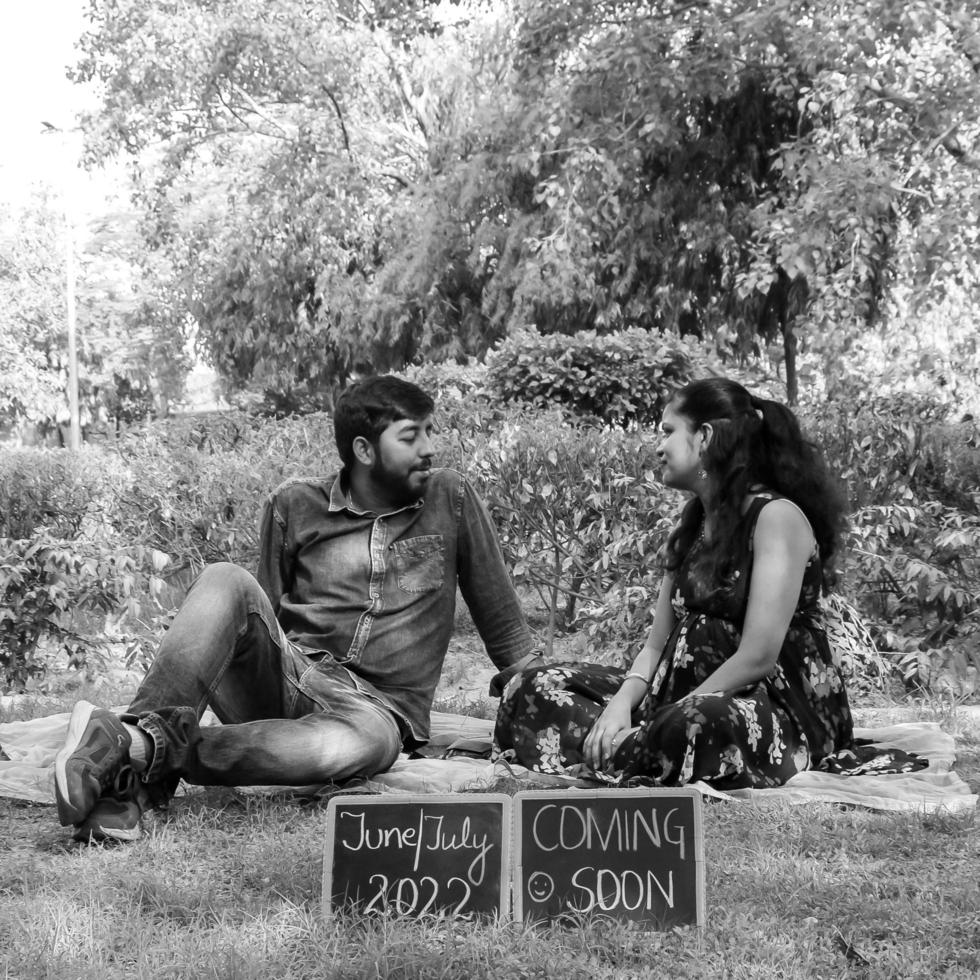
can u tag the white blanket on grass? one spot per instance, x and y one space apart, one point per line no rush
30 748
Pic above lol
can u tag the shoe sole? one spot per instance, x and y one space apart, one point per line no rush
80 716
99 835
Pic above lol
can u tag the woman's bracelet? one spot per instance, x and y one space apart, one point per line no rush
638 676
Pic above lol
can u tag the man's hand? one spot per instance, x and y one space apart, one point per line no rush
499 681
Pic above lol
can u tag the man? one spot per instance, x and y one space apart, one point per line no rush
324 667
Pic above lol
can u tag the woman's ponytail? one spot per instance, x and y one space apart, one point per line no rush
758 443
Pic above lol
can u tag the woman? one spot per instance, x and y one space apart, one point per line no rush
736 684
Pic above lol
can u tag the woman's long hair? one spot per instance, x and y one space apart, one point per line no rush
755 443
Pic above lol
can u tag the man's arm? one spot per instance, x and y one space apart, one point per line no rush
273 571
489 593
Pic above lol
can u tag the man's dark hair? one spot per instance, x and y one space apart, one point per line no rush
368 407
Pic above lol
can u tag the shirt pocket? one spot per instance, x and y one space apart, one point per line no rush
419 563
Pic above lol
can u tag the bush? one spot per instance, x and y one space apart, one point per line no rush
580 515
864 668
104 530
618 378
44 583
197 492
916 567
205 431
51 489
912 560
580 510
898 448
448 382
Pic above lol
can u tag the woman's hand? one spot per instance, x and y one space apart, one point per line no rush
616 720
608 731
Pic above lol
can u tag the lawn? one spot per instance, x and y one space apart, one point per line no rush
227 885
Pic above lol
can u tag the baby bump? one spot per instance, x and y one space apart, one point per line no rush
699 645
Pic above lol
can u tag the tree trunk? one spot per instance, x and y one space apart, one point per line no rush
789 350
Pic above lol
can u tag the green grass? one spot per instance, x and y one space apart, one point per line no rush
227 885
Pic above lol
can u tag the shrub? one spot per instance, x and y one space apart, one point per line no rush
912 560
580 510
448 382
917 566
44 584
580 515
52 489
91 531
200 501
863 666
196 508
205 431
897 448
618 378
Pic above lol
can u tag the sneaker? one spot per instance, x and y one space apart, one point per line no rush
111 819
117 814
96 746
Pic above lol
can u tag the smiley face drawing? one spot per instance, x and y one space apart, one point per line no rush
540 886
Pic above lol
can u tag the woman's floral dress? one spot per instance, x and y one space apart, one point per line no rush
796 718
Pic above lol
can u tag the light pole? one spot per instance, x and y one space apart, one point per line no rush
75 428
75 433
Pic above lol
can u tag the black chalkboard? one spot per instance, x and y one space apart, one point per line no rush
635 854
417 855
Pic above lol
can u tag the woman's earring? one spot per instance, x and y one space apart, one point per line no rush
703 474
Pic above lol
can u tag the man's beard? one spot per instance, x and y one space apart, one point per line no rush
396 485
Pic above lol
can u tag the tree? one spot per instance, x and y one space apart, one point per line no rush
273 144
746 173
33 340
128 365
136 344
382 182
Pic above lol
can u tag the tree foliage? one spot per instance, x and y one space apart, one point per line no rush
128 362
274 143
31 304
364 183
746 172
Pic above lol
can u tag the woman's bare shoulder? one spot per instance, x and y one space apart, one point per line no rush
781 518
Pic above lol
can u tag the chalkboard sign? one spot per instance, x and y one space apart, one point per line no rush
634 854
420 854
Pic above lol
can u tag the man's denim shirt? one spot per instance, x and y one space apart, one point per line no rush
378 592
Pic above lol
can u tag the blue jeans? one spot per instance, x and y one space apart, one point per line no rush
288 717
